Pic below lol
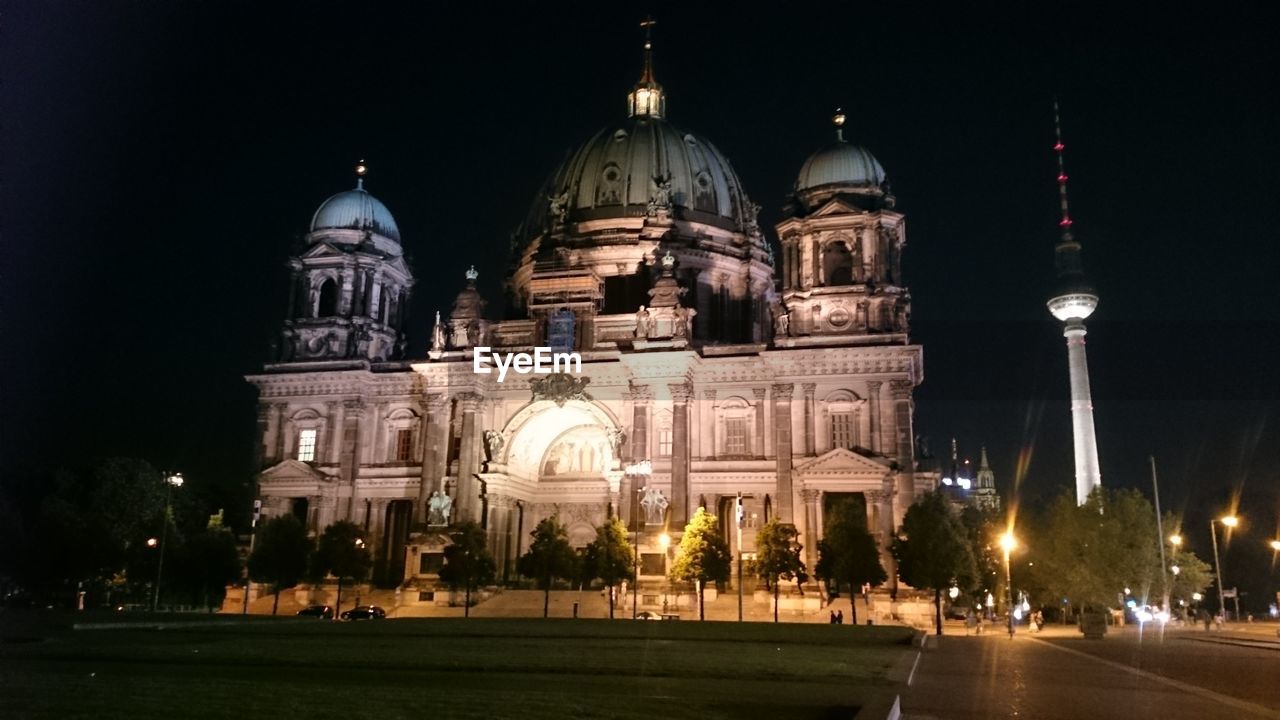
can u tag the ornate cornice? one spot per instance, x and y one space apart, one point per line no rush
783 391
759 393
901 389
681 392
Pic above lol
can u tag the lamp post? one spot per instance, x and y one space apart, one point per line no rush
171 482
1007 543
637 471
664 541
739 515
1228 521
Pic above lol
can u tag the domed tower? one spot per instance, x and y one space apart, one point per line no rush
1073 300
635 191
842 245
350 284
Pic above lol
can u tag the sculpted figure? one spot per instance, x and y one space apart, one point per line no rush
493 443
438 508
437 335
782 324
654 505
643 323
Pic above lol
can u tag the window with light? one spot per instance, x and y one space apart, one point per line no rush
404 445
735 436
307 445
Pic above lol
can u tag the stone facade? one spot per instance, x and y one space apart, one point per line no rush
708 369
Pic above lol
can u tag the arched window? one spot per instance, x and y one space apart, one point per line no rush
844 419
328 304
837 264
736 416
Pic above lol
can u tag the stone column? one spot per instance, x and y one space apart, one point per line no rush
810 498
759 395
809 430
900 390
278 438
642 397
502 534
377 528
782 393
707 415
873 413
333 450
265 446
348 464
680 395
468 501
432 425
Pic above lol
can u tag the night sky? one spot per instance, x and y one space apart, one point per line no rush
159 160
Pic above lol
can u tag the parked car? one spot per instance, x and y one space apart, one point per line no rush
648 615
324 612
365 612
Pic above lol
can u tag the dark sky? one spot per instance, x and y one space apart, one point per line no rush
159 159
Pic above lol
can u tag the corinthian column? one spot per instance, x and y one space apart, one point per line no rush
468 460
782 393
810 498
873 412
900 390
680 395
809 420
433 426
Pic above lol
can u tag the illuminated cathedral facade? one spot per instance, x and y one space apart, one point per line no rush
716 361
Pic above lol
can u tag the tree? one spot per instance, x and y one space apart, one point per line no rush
931 549
1089 553
343 553
208 562
848 553
280 554
550 556
609 557
467 562
703 556
778 557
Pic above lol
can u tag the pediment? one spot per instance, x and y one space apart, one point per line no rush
322 250
836 206
288 472
844 462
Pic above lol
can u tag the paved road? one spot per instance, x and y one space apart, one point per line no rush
1061 675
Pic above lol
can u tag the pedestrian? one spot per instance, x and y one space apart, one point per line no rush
839 617
833 618
1203 615
970 621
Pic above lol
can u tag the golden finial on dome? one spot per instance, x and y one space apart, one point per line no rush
361 170
838 121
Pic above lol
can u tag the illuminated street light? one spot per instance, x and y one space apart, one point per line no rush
1175 569
664 541
170 482
1175 540
152 542
1275 545
1007 543
1228 521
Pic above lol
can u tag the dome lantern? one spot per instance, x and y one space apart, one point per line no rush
647 99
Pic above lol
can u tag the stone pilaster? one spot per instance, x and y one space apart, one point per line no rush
679 511
707 415
900 391
468 500
642 399
810 431
433 425
348 464
810 498
265 446
873 414
782 393
278 440
759 395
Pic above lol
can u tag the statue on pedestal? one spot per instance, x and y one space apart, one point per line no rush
493 443
654 505
644 324
439 507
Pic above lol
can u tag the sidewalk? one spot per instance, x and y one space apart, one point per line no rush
1047 676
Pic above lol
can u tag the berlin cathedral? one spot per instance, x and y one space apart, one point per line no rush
716 362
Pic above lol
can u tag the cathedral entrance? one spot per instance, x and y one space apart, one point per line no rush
388 568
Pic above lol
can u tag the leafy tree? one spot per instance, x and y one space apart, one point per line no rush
280 554
467 562
343 553
778 557
703 556
207 562
931 549
550 556
1089 553
609 557
848 553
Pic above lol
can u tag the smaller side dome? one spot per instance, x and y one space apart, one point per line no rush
355 210
840 164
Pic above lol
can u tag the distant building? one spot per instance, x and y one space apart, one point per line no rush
710 365
963 487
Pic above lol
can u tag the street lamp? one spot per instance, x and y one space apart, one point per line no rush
171 482
1229 521
1275 545
1175 540
636 472
664 541
1007 543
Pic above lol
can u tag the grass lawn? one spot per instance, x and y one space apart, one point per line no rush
450 668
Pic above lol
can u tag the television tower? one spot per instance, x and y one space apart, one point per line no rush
1074 300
